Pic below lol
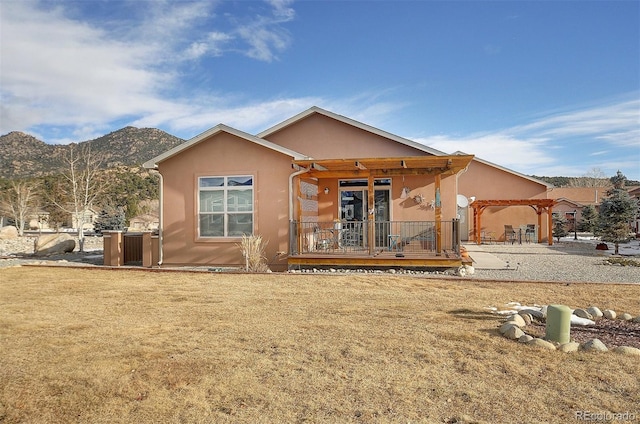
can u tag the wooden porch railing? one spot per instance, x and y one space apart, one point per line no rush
351 237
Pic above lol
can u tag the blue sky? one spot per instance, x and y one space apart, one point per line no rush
542 87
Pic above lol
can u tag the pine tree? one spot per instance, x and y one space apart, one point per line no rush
616 212
589 219
109 219
559 224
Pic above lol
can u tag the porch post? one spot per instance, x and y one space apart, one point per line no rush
298 217
370 213
550 225
476 225
438 208
539 212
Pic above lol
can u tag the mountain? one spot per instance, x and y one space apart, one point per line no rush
22 155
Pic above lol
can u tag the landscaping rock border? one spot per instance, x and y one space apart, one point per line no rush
515 325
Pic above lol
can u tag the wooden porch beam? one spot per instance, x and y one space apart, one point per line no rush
318 167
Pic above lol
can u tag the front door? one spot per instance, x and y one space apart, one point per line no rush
354 207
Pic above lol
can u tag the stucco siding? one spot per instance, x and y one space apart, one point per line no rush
223 155
320 136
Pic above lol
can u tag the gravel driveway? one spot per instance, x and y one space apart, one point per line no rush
566 261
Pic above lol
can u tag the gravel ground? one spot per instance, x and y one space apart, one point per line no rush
19 251
566 261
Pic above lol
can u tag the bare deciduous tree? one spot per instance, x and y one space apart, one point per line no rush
593 178
20 201
81 187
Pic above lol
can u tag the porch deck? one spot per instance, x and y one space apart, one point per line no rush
381 259
379 244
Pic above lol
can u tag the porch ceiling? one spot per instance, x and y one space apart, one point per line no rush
413 165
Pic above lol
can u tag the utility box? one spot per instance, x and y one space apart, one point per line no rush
558 326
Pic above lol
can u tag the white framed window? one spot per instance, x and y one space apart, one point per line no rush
225 206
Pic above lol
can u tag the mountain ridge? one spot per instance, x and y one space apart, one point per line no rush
23 155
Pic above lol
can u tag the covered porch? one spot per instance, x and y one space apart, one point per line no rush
353 227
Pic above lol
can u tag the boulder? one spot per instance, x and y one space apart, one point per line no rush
517 320
541 343
594 345
525 338
513 333
626 317
636 319
527 318
609 314
533 312
8 233
627 350
506 326
51 244
594 312
569 347
543 309
582 313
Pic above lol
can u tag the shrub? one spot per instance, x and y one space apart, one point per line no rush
253 248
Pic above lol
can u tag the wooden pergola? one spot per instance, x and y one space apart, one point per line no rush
372 168
539 205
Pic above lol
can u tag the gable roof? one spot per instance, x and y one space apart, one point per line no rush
153 163
299 117
510 171
569 201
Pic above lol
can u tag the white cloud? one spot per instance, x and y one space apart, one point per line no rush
264 35
552 144
60 71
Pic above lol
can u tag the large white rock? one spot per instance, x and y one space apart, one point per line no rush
50 244
8 233
513 333
595 312
594 345
542 343
627 350
582 313
506 326
517 320
569 347
575 320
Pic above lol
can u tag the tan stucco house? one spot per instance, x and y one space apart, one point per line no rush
326 190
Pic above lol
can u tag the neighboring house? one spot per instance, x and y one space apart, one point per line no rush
571 201
144 222
89 219
322 190
39 220
581 195
635 193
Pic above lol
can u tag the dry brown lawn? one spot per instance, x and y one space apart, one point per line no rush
98 346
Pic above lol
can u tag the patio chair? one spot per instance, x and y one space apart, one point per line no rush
530 232
509 234
487 237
